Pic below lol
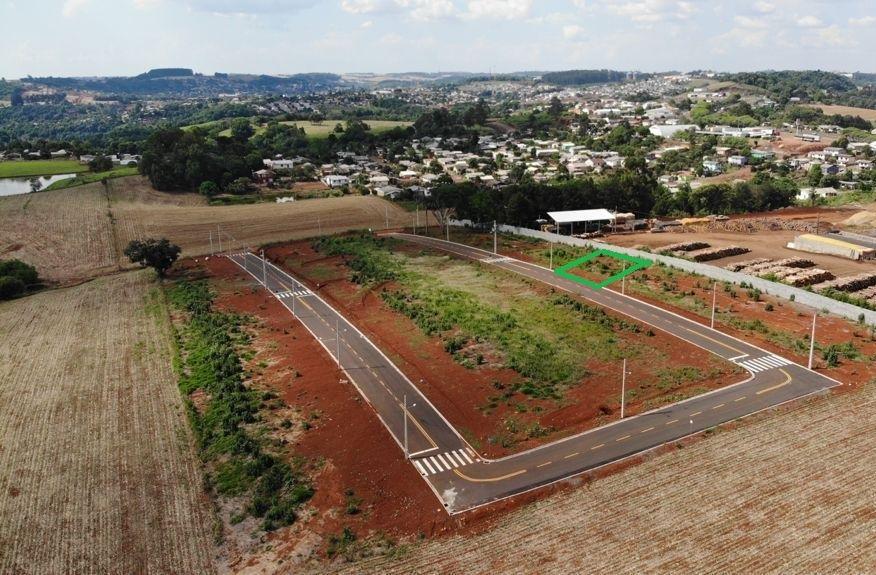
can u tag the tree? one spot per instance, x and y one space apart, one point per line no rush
208 188
17 97
157 254
815 175
241 129
556 107
100 164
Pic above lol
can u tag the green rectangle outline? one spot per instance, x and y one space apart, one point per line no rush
638 264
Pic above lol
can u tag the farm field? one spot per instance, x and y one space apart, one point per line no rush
97 472
784 492
65 234
23 169
502 357
865 113
322 130
82 232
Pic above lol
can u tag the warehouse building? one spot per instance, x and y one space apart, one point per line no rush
832 246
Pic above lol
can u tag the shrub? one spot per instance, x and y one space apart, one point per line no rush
20 270
11 287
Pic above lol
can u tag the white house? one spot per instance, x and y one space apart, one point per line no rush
335 181
737 160
669 131
390 192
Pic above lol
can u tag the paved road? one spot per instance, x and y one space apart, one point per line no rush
462 479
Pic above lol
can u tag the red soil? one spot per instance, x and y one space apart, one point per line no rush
347 447
463 395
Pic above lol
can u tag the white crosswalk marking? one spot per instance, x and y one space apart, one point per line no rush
764 363
445 461
496 260
293 293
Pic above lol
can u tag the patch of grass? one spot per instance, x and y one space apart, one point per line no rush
26 169
210 365
92 177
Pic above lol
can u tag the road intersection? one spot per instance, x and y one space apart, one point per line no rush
462 479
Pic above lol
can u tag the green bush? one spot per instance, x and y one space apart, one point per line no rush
211 363
11 287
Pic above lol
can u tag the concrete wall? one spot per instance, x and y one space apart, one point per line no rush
801 296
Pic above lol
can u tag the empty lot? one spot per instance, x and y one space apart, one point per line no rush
784 493
82 232
97 473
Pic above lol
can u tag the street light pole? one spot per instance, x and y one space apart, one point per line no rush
812 341
264 270
407 452
714 301
211 243
338 341
387 217
623 388
219 236
495 238
552 255
624 280
417 220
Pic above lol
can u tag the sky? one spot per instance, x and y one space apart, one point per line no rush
128 37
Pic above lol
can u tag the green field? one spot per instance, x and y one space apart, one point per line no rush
91 177
26 169
325 128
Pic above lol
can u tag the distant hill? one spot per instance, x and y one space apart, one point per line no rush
584 77
167 73
183 82
807 84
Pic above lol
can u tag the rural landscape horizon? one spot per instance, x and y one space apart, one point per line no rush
437 286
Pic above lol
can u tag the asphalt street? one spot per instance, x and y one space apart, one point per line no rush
461 478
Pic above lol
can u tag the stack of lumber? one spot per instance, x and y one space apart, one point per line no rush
854 283
682 247
808 277
754 225
718 253
740 266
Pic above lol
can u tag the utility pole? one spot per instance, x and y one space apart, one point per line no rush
552 255
338 340
623 388
211 243
219 235
812 342
714 302
387 217
264 270
495 238
691 425
405 400
624 280
417 221
447 228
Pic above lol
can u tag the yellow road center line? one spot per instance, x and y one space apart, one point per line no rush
622 438
647 430
544 464
695 413
775 387
721 343
595 447
488 479
719 406
671 422
570 455
739 398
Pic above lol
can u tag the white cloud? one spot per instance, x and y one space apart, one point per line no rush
144 4
833 36
749 22
764 7
72 7
416 9
809 22
390 39
367 24
250 6
505 9
650 11
572 31
863 21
